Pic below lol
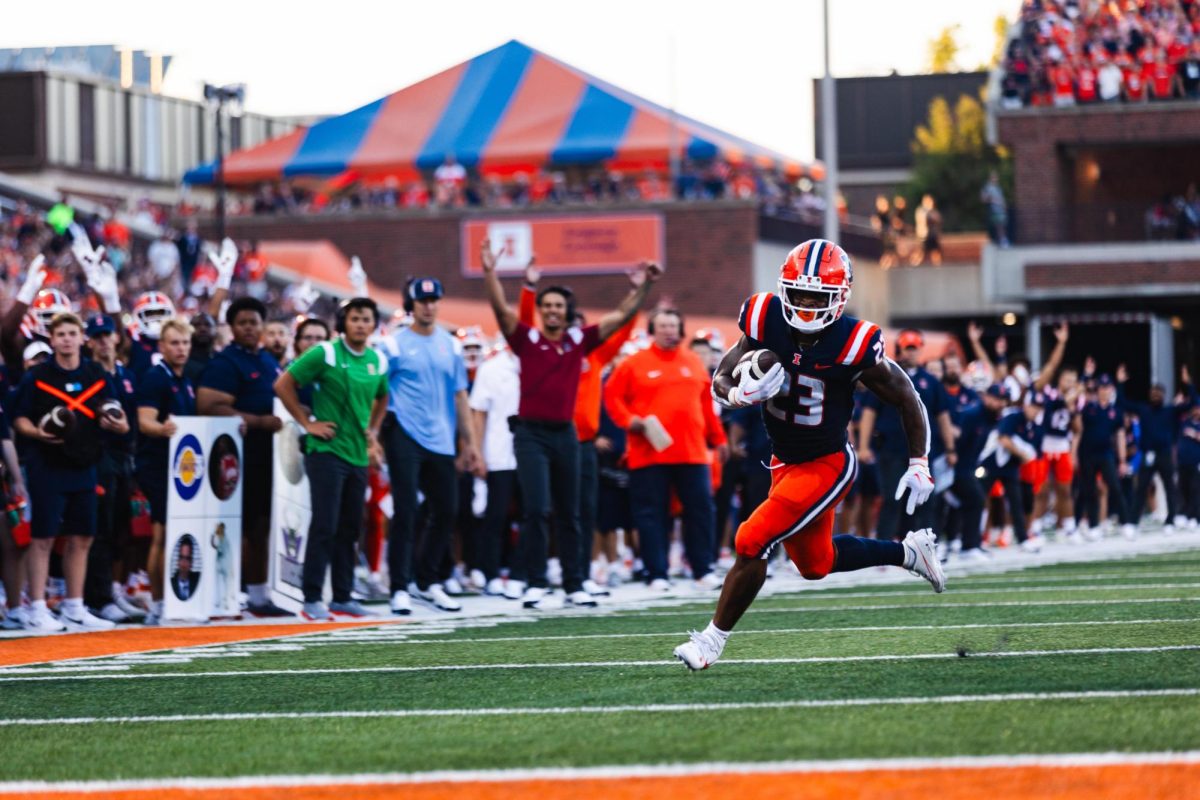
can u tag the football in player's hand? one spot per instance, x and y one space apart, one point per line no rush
756 363
112 409
58 422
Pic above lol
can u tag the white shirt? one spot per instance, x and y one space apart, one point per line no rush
1109 80
497 391
163 257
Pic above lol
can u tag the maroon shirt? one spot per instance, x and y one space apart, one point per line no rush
550 370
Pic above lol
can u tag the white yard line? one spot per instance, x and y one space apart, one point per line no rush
622 709
587 664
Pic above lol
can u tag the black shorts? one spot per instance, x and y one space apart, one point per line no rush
867 484
258 467
153 483
613 509
61 502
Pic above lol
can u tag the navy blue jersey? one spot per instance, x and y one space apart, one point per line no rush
143 354
961 398
1100 423
1189 443
1058 415
248 375
975 422
169 395
810 415
121 384
1015 426
890 436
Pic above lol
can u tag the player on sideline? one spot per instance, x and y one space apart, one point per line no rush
807 400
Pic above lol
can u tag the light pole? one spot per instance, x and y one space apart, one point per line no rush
829 138
217 97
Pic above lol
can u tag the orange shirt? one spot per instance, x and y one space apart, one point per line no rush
587 401
673 386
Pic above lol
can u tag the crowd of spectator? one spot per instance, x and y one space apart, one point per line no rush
562 454
1175 217
1069 52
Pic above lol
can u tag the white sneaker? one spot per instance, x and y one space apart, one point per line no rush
554 572
595 589
1092 534
1179 522
700 652
494 588
974 555
660 585
1168 529
922 547
438 596
1033 544
16 619
532 596
551 601
113 613
514 590
131 609
40 620
1129 531
1074 538
83 621
453 587
709 582
401 603
478 580
582 598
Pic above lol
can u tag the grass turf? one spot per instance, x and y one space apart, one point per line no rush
219 748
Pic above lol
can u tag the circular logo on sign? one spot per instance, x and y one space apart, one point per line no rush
224 467
189 467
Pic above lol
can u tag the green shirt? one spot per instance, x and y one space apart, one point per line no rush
345 387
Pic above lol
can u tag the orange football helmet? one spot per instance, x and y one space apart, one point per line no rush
150 311
48 304
816 267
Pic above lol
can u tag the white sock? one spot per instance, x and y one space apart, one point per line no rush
715 632
258 594
910 555
38 605
73 606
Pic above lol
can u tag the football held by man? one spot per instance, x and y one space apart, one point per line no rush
807 400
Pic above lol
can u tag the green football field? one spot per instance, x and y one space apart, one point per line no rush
1095 657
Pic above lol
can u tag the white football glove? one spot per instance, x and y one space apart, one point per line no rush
917 481
749 390
306 294
35 276
225 261
103 281
358 277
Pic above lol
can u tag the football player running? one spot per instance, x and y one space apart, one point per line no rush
807 400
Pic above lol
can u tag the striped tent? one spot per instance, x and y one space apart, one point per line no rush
511 109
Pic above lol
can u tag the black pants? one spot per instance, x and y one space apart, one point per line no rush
501 485
893 521
1189 485
412 467
1106 466
112 528
589 489
338 489
1164 466
650 498
1011 482
548 473
971 495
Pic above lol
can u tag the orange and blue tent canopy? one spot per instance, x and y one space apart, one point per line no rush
511 109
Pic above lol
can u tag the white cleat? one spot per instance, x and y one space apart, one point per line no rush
84 620
974 555
922 547
1129 531
1033 544
401 603
514 590
701 651
581 599
494 588
660 585
532 597
443 601
710 582
40 620
1074 538
595 589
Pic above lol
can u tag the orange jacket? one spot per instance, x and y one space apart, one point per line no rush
587 401
673 386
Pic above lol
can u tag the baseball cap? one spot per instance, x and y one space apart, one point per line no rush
426 289
36 349
1035 399
910 338
997 391
99 324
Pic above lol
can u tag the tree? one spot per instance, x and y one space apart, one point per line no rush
944 49
951 161
1000 29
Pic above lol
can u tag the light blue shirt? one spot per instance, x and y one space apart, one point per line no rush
424 373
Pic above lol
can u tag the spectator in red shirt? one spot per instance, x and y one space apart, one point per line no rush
1134 85
1161 78
1085 82
1063 80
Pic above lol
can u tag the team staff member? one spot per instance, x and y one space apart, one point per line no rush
670 383
883 419
349 399
1100 431
1160 431
544 437
239 382
975 423
428 409
62 471
115 472
164 394
587 419
1014 441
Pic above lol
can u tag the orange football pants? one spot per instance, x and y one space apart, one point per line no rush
799 512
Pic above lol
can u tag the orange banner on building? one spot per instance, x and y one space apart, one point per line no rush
565 245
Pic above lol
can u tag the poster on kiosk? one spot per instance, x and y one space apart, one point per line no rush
291 511
204 513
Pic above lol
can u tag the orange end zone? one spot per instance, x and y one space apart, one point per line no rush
44 649
1108 782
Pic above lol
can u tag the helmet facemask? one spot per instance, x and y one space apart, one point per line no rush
807 317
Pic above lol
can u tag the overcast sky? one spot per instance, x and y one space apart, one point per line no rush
743 66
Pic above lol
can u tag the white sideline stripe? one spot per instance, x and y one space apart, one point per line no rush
953 699
856 629
896 606
833 594
615 771
586 664
1086 576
